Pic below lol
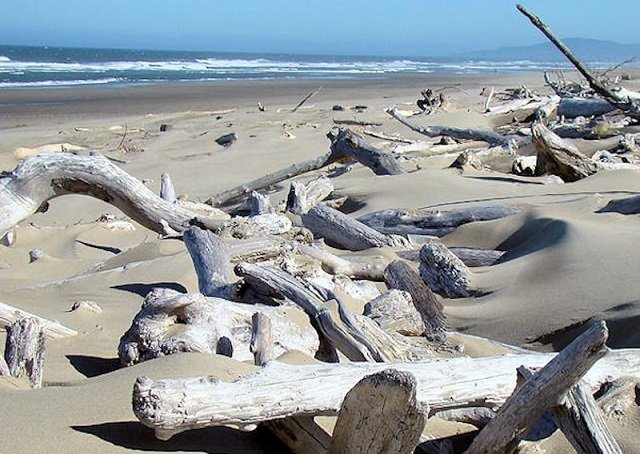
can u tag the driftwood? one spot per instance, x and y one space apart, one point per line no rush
473 257
39 178
167 191
583 107
261 339
348 122
169 322
302 435
347 143
387 137
24 350
624 100
394 311
174 405
303 197
580 419
627 205
212 262
519 413
380 415
372 270
559 157
400 275
345 231
259 204
490 137
9 314
432 222
443 272
306 98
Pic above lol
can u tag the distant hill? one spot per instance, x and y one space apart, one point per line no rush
586 49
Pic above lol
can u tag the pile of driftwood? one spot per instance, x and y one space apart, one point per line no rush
385 370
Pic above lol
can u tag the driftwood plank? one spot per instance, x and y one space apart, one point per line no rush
279 390
380 415
520 412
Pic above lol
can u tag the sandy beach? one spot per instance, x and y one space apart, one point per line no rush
564 264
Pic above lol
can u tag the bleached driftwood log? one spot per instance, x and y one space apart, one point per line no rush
345 142
287 286
40 178
350 233
261 339
212 261
395 311
432 222
625 100
559 157
372 269
24 350
301 434
548 108
580 419
473 257
583 107
380 415
541 392
279 390
443 272
170 322
627 205
167 191
490 137
9 314
400 275
303 197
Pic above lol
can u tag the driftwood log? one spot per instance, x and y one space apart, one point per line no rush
541 392
9 314
443 272
583 107
303 197
559 157
172 406
380 415
40 178
212 261
24 350
627 205
345 142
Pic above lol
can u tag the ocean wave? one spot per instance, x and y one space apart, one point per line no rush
59 83
3 58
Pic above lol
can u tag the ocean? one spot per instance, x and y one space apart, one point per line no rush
37 67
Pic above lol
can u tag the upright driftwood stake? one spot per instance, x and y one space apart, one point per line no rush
303 197
380 415
402 276
542 391
24 350
261 339
259 204
167 191
443 272
211 260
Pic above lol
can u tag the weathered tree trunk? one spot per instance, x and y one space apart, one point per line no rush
559 157
371 270
490 137
443 272
261 339
24 350
345 231
400 275
40 178
212 262
583 107
541 392
380 415
174 405
345 142
9 314
303 197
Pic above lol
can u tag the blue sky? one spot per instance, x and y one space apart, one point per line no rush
374 27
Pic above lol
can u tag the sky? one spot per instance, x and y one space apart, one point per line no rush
347 27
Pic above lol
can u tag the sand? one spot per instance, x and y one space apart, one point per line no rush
564 264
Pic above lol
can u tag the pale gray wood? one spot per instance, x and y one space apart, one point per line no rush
579 418
211 260
302 435
345 142
371 270
259 204
520 412
167 191
622 99
9 314
473 257
306 98
559 157
380 414
343 230
24 350
477 416
400 275
490 137
583 107
255 249
627 205
40 178
279 390
4 368
303 197
394 311
443 272
261 339
36 254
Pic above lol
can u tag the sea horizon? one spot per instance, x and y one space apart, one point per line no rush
53 66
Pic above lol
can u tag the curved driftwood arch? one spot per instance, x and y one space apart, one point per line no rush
40 178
